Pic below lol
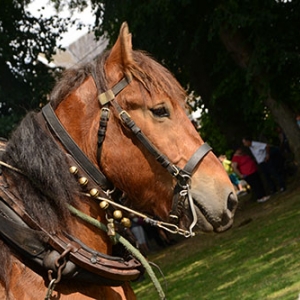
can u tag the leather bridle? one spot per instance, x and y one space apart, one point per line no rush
182 176
44 249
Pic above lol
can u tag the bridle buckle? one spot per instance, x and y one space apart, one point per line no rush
124 116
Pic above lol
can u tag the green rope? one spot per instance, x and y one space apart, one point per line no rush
136 253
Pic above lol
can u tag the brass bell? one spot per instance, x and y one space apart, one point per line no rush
83 181
126 222
117 214
94 192
73 170
103 204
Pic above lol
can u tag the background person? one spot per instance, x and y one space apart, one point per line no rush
269 162
232 175
245 167
140 235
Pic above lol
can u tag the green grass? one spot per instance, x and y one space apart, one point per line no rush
259 258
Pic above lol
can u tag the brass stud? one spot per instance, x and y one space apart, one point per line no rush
126 222
117 214
73 170
94 192
103 204
83 181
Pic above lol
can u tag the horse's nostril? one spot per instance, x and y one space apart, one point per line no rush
232 202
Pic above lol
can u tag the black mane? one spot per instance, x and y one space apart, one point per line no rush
46 185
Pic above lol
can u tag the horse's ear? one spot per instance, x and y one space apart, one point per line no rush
121 52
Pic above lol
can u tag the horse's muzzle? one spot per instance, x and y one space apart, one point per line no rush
218 220
227 217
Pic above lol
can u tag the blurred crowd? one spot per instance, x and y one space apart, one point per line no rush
259 167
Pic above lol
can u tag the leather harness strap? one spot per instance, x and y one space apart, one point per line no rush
17 232
102 130
73 149
33 243
109 95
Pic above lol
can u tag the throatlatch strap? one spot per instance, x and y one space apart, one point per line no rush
73 148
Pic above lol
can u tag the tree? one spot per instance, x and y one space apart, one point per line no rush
266 56
24 81
242 57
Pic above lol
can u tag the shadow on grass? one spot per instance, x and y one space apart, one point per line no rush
259 258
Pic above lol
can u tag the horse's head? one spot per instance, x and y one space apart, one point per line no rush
155 101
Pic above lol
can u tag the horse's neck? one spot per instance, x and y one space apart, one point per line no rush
93 237
88 234
21 276
83 123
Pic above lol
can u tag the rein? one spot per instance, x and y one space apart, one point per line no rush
172 228
126 244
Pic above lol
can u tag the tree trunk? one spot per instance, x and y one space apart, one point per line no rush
286 119
201 82
241 53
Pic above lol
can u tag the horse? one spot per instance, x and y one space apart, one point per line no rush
113 140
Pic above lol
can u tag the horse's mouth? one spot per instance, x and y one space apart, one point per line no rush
224 227
208 223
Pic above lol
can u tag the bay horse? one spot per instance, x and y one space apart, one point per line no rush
114 135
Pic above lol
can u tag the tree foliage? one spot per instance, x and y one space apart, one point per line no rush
24 81
241 57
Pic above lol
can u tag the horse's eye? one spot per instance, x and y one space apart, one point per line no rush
160 112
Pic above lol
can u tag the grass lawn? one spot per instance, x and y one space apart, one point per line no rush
259 258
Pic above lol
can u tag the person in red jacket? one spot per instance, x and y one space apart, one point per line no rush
269 160
245 167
